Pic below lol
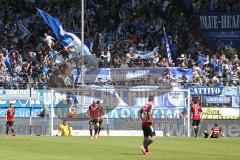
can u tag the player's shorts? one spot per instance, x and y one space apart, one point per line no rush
10 123
214 136
148 131
196 122
206 134
93 122
100 122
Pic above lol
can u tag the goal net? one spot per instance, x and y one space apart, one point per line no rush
29 106
171 110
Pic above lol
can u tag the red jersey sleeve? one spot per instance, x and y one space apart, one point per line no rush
200 109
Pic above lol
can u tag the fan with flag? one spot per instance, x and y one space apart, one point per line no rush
69 41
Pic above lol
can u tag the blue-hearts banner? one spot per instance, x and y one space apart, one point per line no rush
224 26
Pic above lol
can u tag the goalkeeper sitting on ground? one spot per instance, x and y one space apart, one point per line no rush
64 129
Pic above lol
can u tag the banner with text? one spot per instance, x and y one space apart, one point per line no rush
221 113
118 74
117 103
224 26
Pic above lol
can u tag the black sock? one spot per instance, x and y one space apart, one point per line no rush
90 129
145 145
149 142
196 131
12 131
7 129
96 130
99 129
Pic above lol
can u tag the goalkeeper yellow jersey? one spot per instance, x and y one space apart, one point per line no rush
65 130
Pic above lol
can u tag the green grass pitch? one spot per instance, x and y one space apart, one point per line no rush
116 148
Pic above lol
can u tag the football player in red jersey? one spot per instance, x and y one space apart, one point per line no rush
215 132
100 114
91 117
146 115
10 117
196 116
95 113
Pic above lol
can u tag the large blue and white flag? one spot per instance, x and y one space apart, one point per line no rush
167 47
68 39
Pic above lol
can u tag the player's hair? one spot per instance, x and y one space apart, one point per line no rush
150 98
195 100
98 102
215 124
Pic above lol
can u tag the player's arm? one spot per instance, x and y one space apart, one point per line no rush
150 113
221 132
59 131
102 112
70 131
150 116
200 113
140 114
89 115
210 134
6 116
191 111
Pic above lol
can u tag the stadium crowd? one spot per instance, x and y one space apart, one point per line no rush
113 30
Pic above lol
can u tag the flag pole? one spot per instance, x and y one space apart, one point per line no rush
82 51
82 42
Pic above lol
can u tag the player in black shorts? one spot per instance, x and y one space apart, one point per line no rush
100 116
10 117
91 115
196 110
149 134
215 132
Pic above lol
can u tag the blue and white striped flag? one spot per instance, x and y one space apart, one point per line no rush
167 47
68 39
